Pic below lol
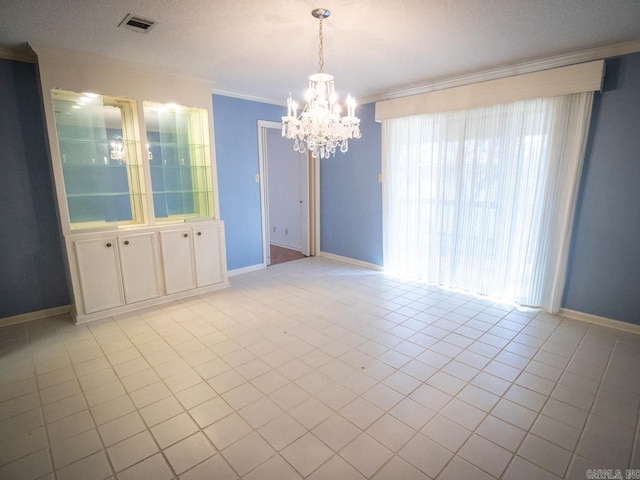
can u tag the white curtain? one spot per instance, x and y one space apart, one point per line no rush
483 199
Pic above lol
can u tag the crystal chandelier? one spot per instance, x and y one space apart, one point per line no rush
319 126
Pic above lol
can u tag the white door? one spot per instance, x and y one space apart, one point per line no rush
177 260
304 205
206 246
138 266
99 274
284 175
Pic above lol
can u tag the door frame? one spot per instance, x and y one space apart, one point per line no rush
313 192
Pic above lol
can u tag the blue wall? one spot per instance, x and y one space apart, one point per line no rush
236 136
604 268
32 274
351 197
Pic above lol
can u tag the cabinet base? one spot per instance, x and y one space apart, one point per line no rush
89 317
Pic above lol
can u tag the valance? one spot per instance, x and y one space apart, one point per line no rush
579 78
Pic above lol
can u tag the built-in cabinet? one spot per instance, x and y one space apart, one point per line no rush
117 270
98 273
190 258
138 266
177 257
133 160
119 273
206 245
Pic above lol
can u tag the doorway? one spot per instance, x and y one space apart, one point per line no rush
288 187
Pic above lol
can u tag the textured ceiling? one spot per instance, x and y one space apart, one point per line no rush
264 49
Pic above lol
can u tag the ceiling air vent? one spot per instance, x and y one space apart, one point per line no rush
136 23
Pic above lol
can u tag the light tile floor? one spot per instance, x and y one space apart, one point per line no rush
316 369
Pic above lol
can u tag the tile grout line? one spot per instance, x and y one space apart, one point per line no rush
500 397
546 401
200 430
574 453
136 409
324 291
41 407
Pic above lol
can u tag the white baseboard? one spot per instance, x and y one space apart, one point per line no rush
157 301
602 321
352 261
249 269
40 314
297 248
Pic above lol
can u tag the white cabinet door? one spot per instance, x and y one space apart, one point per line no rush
99 274
177 260
206 243
138 266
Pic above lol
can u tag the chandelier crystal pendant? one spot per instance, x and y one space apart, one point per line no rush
319 126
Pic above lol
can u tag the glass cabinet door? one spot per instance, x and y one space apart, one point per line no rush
100 157
179 161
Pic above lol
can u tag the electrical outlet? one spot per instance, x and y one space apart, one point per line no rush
286 231
274 229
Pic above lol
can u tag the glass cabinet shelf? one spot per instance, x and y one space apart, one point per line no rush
195 192
98 152
97 165
86 195
93 141
176 144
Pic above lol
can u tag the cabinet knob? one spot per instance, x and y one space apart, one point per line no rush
108 244
199 233
185 235
126 242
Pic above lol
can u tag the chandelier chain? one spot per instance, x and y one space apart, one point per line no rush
320 49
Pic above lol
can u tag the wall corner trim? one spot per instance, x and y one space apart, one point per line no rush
602 321
39 315
249 269
352 261
18 54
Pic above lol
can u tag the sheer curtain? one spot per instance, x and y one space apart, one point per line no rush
483 199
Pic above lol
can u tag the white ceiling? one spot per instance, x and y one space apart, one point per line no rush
265 48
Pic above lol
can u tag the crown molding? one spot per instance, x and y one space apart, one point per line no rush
242 96
563 60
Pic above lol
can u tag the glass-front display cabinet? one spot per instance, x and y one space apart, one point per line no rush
179 161
103 164
100 156
135 182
